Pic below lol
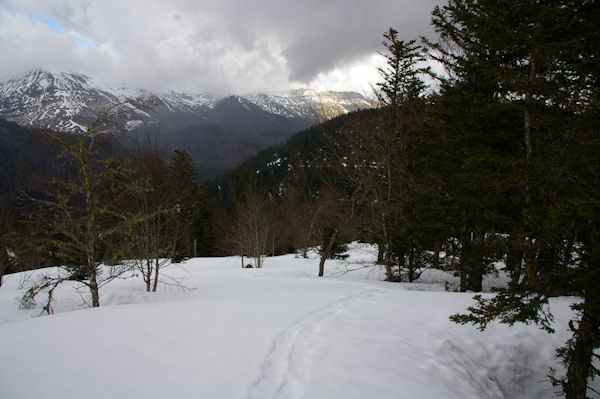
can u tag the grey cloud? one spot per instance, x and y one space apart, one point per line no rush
227 45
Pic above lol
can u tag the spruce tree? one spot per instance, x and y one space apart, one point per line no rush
530 70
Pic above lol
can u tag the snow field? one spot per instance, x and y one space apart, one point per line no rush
276 332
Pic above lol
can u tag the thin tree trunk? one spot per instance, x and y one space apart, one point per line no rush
527 130
326 252
387 258
527 117
387 250
148 276
156 267
464 263
89 230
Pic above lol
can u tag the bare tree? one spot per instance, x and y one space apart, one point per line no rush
153 243
316 215
250 228
368 157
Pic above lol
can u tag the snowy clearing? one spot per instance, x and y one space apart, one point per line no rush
276 332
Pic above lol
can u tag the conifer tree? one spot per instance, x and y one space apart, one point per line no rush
183 191
525 77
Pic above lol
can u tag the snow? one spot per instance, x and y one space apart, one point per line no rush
66 101
276 332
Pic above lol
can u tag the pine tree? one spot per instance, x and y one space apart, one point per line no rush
191 223
400 77
388 144
535 65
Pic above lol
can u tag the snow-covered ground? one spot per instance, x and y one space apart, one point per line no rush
276 332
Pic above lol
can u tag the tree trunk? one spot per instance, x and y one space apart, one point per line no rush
156 267
463 279
148 274
472 263
325 252
514 259
476 279
411 268
322 264
94 288
387 258
526 116
581 354
464 263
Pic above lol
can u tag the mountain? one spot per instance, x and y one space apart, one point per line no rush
219 132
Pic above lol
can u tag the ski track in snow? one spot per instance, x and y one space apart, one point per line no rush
287 366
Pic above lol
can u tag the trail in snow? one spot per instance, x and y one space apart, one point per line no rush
288 364
276 332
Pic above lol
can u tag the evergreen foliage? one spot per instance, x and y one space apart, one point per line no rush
521 71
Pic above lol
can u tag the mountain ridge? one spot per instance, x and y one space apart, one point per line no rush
218 131
68 102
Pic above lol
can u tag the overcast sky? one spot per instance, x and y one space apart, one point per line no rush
215 46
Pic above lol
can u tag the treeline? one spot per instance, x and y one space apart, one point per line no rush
501 164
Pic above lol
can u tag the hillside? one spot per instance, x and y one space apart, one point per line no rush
277 332
281 164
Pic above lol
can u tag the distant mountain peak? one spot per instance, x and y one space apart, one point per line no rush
219 132
69 101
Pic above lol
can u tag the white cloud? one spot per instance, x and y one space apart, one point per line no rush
361 76
216 46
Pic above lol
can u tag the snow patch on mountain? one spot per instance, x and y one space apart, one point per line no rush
69 102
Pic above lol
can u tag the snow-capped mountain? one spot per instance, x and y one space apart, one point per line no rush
62 102
219 132
68 102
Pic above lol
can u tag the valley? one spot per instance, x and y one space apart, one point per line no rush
218 131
